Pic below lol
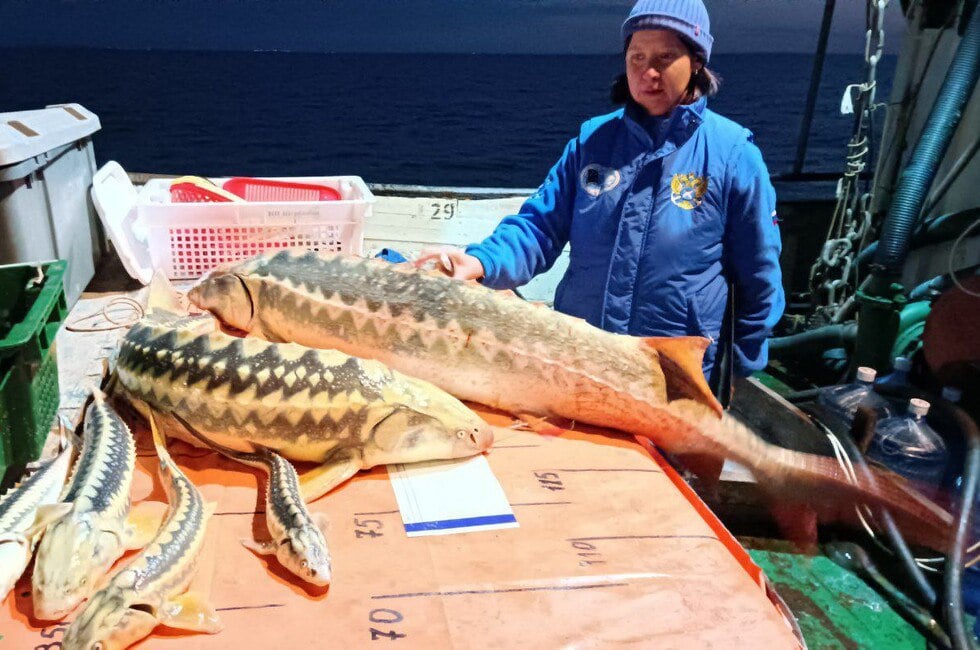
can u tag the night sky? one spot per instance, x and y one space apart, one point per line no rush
479 26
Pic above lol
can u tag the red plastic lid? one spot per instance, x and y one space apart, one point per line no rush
265 190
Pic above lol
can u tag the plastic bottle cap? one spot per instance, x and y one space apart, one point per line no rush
918 407
866 374
952 394
902 364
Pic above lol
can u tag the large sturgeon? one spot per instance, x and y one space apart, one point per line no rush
494 348
320 406
151 590
78 549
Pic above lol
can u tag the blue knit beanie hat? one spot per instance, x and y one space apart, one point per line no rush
689 18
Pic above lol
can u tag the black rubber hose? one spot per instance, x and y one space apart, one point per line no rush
864 424
814 341
953 583
918 175
953 579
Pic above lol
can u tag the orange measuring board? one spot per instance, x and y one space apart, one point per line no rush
609 552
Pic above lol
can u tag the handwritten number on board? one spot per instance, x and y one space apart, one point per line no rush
388 616
549 481
367 528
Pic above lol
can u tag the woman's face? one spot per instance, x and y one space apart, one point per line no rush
658 69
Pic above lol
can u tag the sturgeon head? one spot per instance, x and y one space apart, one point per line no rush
77 551
225 293
428 424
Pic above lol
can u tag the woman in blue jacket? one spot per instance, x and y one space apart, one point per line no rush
664 203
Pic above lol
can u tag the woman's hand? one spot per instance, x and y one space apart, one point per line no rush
452 261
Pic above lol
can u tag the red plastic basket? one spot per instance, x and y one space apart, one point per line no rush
189 189
265 190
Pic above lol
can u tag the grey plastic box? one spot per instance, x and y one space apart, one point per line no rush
46 167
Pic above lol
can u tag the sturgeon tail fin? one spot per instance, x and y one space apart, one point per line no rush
687 426
821 481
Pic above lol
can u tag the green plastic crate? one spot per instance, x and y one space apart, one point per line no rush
32 308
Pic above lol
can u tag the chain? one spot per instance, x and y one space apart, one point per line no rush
833 276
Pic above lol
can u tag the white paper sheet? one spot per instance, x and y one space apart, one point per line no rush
455 496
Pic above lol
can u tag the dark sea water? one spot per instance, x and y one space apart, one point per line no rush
459 120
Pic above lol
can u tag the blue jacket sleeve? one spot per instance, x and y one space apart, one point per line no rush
753 246
529 242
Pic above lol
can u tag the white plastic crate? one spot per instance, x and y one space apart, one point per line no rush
186 240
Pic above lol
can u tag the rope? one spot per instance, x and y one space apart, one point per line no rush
132 308
952 254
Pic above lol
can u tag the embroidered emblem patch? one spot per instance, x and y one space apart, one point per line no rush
687 190
596 179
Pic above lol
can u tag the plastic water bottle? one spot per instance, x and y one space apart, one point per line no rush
899 376
845 400
907 445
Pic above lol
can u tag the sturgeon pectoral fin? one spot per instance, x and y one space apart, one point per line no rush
136 624
317 482
190 612
260 548
540 425
143 523
45 516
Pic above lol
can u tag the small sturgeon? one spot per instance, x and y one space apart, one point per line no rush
308 405
26 510
151 590
298 536
77 551
493 348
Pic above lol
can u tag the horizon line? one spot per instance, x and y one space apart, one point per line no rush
21 46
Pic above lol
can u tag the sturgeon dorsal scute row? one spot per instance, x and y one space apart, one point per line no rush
99 478
240 364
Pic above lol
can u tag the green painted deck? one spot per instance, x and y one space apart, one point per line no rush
834 607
